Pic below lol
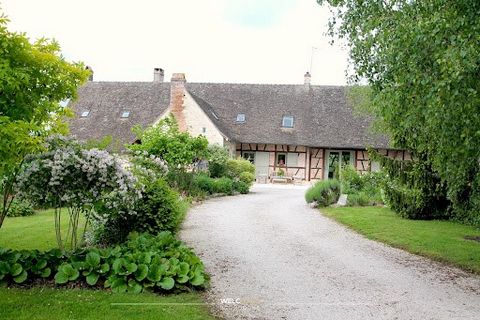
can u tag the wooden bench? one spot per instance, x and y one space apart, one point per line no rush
282 179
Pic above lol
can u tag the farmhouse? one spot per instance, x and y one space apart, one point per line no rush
304 130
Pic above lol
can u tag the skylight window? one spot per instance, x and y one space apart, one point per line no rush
125 114
287 122
241 117
85 114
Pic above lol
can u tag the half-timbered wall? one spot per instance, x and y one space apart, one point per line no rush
296 157
316 163
310 162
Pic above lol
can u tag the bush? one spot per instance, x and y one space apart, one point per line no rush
247 177
20 208
363 189
159 209
359 199
235 167
217 160
241 187
413 190
324 193
351 180
204 183
144 263
223 185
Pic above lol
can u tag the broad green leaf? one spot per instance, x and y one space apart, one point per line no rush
167 283
141 272
21 277
16 269
92 278
92 259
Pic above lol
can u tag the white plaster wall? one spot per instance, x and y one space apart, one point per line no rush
196 119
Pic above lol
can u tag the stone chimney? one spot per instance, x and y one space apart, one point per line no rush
307 79
90 76
158 75
177 95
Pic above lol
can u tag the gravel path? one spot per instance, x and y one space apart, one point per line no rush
270 256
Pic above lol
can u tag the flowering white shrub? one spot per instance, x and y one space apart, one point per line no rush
81 180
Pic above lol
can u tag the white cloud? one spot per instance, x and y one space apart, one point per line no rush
124 40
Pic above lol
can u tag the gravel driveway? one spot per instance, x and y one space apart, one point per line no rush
270 256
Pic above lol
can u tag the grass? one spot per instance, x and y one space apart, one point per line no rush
38 232
440 240
52 304
32 232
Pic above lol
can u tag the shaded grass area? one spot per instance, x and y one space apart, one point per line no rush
440 240
38 232
52 304
32 232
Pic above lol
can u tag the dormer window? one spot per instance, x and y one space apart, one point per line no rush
287 122
125 114
84 114
241 117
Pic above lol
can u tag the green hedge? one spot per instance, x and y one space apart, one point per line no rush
144 262
222 185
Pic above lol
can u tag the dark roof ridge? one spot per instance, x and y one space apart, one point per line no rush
268 84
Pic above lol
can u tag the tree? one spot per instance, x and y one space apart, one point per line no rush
421 59
165 140
34 78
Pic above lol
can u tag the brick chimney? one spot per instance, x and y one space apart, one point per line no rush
177 94
158 75
307 79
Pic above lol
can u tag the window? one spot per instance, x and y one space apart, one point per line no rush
281 159
241 117
287 122
336 161
125 114
204 130
85 114
250 156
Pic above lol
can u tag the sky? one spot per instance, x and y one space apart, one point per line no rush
232 41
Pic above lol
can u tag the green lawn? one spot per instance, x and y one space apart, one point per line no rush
33 232
440 240
38 232
62 304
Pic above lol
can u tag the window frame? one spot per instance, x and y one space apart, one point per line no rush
289 118
250 158
243 116
277 162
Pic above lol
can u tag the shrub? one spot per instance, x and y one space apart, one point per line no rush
223 185
204 183
158 209
351 180
413 190
20 208
324 193
359 199
68 176
236 166
241 187
247 177
164 140
217 157
145 262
